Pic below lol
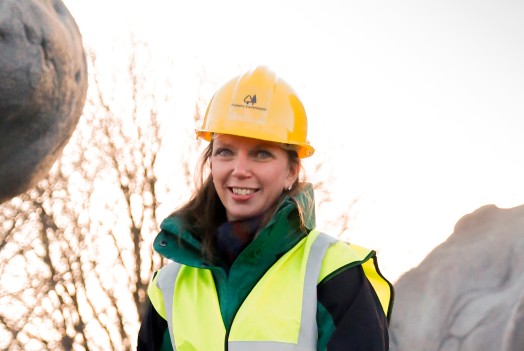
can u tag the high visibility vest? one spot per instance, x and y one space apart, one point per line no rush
279 314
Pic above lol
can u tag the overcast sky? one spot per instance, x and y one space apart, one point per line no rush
417 106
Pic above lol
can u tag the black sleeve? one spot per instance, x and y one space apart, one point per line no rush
152 330
360 323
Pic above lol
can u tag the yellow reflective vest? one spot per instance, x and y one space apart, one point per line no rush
278 314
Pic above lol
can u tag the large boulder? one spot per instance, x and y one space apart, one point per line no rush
43 85
468 294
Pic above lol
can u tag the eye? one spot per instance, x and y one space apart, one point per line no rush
223 152
263 154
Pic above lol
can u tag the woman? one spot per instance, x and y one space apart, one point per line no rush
249 270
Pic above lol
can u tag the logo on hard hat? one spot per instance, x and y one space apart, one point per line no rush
250 100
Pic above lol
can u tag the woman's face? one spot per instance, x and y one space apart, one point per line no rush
249 174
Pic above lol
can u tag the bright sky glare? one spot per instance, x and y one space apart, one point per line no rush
418 106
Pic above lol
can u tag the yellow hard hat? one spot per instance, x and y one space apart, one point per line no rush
258 105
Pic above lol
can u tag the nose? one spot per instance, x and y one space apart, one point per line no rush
241 166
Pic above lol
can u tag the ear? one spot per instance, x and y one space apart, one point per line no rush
294 171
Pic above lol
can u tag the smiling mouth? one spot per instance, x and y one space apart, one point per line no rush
242 191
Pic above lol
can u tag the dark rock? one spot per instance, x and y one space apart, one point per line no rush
43 85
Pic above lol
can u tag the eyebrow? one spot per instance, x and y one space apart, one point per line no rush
262 143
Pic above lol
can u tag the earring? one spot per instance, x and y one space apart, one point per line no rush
290 187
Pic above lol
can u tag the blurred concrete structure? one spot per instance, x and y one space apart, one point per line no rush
43 85
468 294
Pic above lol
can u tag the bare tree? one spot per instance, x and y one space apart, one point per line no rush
76 253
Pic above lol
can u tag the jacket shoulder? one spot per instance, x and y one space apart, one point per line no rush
343 255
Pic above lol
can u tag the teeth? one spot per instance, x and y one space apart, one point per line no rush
240 191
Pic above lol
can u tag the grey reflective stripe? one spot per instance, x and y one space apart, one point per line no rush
166 284
307 337
308 325
265 346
